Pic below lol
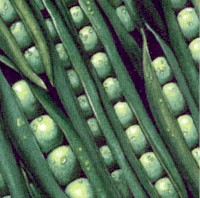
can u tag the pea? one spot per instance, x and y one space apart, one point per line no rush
194 48
189 130
7 12
30 105
51 28
196 155
189 23
163 71
89 39
152 166
34 60
125 18
107 156
21 35
3 187
79 188
165 188
124 113
178 4
85 105
101 64
47 133
63 164
94 127
174 98
137 139
112 88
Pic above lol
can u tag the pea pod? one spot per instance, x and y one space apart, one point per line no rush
169 128
196 4
11 48
24 141
36 33
181 50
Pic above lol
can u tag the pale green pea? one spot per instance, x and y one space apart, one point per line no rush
21 35
125 18
196 155
163 71
47 133
165 188
79 188
63 164
51 28
34 59
194 48
112 88
137 139
189 130
174 98
94 127
101 64
152 166
85 106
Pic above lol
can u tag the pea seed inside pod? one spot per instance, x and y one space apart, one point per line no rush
196 155
85 105
94 127
194 48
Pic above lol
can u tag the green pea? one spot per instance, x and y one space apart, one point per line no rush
85 105
165 188
107 156
196 155
30 105
21 35
124 113
63 164
47 133
63 55
94 127
121 184
89 39
125 18
7 12
137 139
163 71
189 23
178 4
101 64
51 28
194 48
189 130
74 81
152 166
112 88
78 16
174 98
34 59
3 187
79 188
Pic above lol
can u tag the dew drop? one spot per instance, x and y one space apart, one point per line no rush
160 100
63 160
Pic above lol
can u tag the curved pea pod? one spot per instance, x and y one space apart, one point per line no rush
181 50
24 141
11 48
36 33
196 4
168 126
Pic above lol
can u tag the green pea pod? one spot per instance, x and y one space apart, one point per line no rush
196 4
181 50
169 128
179 77
7 62
25 142
36 33
9 167
11 48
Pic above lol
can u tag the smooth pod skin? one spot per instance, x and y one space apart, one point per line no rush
189 130
178 4
112 88
137 139
40 4
152 166
47 133
163 70
51 29
196 155
194 48
21 35
34 59
165 188
79 188
188 22
78 16
30 105
101 64
63 164
3 187
125 18
7 12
